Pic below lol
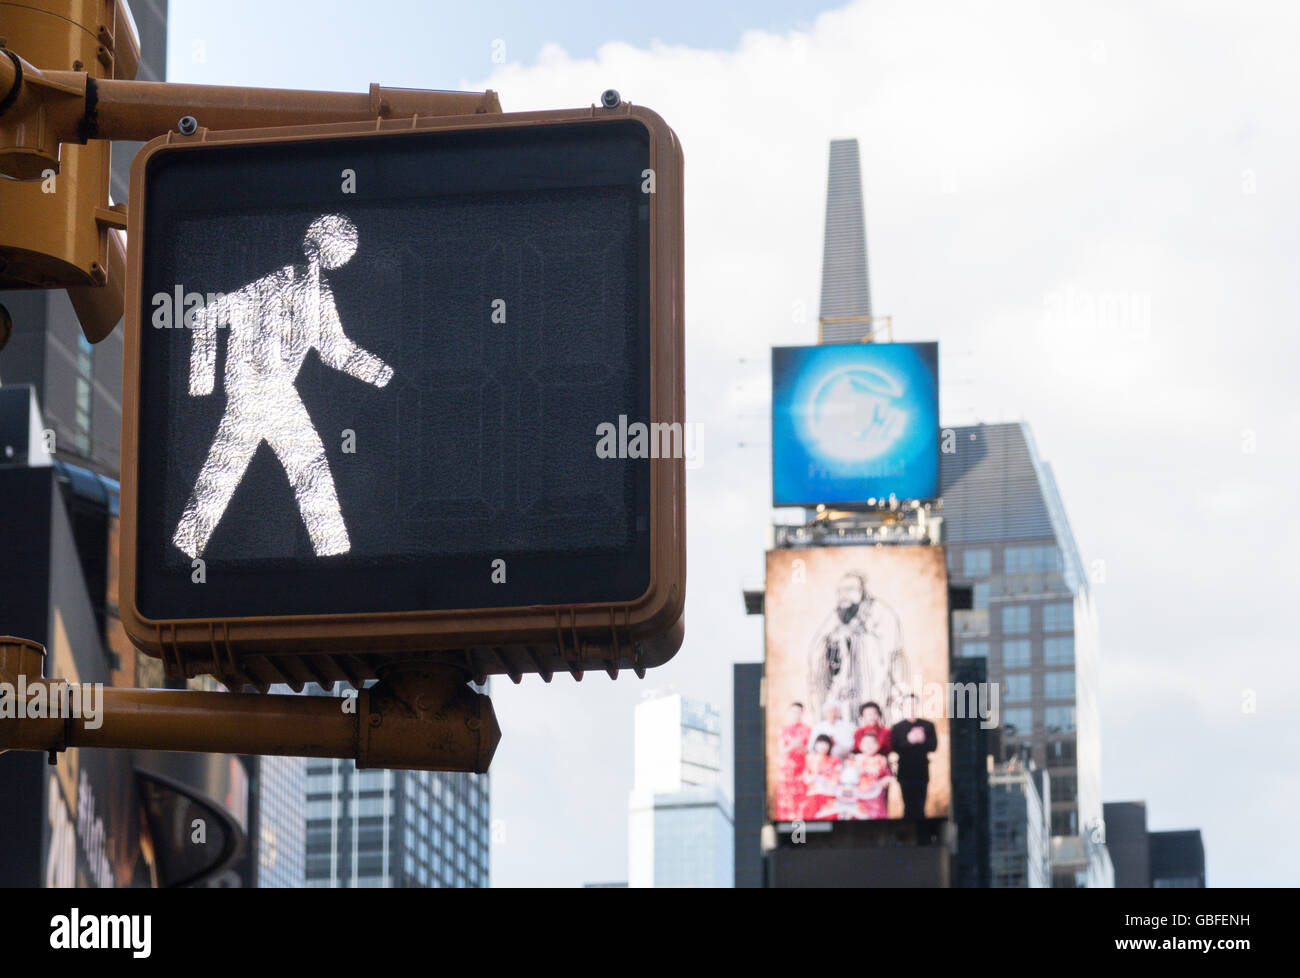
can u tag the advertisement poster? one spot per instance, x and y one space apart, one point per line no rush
856 674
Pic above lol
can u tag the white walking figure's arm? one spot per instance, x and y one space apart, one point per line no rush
203 348
339 352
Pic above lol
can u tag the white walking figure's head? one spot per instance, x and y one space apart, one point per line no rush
331 240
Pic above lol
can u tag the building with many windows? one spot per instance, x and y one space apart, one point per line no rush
679 818
1020 851
281 821
384 828
1033 620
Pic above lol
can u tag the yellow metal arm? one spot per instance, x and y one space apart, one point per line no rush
420 717
40 110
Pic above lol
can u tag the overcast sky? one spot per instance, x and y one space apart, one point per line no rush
1093 210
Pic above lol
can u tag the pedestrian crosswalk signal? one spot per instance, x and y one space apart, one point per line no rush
368 372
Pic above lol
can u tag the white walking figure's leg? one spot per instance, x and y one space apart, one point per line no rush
296 444
232 449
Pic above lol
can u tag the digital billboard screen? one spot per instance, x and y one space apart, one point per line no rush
857 684
855 422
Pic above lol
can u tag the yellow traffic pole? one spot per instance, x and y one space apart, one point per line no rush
417 717
44 108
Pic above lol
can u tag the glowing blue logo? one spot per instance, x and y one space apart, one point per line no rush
854 413
854 422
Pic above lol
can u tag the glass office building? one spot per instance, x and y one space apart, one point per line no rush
383 828
1034 621
679 818
281 830
1020 853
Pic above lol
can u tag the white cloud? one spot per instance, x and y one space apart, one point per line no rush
1013 155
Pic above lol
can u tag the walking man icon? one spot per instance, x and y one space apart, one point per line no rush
273 323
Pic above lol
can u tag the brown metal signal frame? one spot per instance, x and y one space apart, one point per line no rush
513 641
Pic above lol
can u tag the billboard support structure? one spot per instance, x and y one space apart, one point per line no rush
918 524
880 329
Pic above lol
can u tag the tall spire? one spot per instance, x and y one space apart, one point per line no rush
846 290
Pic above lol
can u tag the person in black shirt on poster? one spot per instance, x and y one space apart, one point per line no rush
913 740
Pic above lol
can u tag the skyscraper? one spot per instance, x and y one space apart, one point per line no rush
1034 620
1177 859
1129 843
679 819
751 803
845 315
1020 838
849 852
1171 859
280 829
384 828
971 744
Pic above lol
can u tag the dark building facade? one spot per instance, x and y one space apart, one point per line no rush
1129 843
1177 859
1145 859
893 867
748 811
970 783
97 818
68 824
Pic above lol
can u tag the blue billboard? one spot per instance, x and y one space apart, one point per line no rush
855 422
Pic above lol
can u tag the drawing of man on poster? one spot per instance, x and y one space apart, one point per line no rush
857 654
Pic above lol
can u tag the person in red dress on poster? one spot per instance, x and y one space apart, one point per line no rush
869 720
791 790
874 777
822 776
